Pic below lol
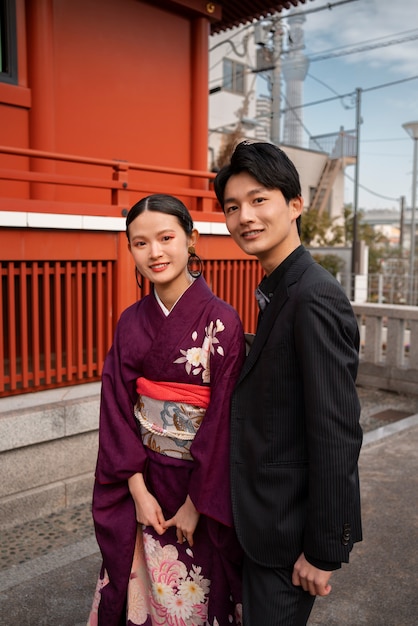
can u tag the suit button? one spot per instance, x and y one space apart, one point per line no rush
345 539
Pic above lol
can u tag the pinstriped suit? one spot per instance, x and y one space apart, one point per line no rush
295 425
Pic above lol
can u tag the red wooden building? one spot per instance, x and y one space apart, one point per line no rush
101 103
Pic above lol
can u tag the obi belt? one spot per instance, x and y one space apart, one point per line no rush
169 415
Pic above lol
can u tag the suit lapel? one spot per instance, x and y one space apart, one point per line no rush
272 311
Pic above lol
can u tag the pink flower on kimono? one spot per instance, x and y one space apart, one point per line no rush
196 358
150 544
195 575
238 614
179 607
179 597
161 592
101 582
190 590
138 604
168 571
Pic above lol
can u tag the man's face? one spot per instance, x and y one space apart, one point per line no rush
260 220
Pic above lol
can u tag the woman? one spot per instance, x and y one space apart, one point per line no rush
161 502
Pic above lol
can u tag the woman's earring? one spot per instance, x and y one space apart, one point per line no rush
194 264
136 277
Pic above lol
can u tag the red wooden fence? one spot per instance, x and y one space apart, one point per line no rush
57 322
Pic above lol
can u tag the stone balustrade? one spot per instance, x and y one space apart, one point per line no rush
389 347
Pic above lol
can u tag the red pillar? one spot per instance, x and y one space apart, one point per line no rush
200 102
126 288
40 28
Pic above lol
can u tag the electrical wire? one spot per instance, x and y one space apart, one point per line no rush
321 82
352 93
373 193
362 48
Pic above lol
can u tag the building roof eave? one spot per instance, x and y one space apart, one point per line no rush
237 13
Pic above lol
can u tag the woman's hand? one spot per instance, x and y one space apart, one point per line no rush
148 511
185 520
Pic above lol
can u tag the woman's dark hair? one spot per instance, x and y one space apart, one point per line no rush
162 203
267 163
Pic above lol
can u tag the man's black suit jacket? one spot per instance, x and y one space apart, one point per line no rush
295 425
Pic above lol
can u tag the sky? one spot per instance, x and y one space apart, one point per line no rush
386 150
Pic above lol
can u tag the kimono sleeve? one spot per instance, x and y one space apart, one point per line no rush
209 486
121 452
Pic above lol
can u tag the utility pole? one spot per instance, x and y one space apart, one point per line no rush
412 130
354 252
276 84
402 226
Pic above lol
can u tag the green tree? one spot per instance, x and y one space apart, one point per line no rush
377 243
320 229
332 262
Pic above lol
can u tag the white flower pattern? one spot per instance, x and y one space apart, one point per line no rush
197 358
179 597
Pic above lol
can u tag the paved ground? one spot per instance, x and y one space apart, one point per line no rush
48 567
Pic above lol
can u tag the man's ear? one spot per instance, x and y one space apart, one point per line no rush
296 204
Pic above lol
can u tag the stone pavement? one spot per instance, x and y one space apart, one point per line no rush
48 567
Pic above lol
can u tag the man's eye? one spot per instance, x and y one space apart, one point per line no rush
230 209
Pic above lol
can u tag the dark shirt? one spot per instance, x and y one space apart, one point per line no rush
264 294
265 290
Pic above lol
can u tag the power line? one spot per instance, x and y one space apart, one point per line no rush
368 41
279 17
328 5
352 93
361 48
321 82
395 82
373 193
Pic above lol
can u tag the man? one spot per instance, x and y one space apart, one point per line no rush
296 436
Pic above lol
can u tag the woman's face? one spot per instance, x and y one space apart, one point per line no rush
159 247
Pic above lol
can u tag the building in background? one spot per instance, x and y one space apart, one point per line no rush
256 75
294 66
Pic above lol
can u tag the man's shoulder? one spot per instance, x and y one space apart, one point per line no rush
314 270
311 279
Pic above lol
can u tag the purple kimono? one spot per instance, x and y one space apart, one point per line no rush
149 579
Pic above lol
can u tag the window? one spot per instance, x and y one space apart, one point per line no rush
8 51
234 76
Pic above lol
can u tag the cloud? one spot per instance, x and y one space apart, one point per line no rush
366 23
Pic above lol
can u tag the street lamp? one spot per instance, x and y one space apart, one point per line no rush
412 130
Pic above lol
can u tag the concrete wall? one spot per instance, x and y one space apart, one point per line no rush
48 449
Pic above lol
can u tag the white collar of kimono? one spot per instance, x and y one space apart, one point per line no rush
162 305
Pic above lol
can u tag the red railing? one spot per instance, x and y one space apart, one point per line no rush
92 186
56 320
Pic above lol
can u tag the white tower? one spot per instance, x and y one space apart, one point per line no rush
294 68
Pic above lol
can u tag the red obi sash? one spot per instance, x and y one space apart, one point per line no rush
196 395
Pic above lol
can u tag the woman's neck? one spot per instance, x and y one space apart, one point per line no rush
170 295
